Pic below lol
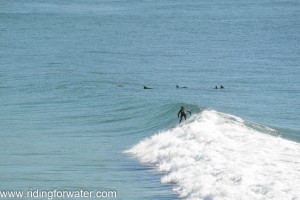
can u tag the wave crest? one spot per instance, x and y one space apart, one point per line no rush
219 156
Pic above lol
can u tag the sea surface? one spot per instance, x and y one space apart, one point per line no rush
74 114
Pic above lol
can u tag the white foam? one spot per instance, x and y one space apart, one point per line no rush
217 156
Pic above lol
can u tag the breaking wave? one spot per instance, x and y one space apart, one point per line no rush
215 155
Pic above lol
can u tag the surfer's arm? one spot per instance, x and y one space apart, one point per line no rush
189 112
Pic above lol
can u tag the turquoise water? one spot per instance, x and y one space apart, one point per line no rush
72 76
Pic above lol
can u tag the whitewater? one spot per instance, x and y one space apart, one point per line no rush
214 155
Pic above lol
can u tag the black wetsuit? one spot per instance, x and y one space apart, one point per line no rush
182 113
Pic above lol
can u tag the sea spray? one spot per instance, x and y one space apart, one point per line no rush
219 156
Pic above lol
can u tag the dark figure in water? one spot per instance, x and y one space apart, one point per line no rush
221 86
182 113
216 87
177 86
147 87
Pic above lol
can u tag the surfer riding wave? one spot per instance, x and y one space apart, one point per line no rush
182 113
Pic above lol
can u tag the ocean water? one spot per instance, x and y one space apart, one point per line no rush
75 116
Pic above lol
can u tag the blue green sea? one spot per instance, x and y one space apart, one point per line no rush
74 114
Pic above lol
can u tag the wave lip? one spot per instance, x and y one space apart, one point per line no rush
219 156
